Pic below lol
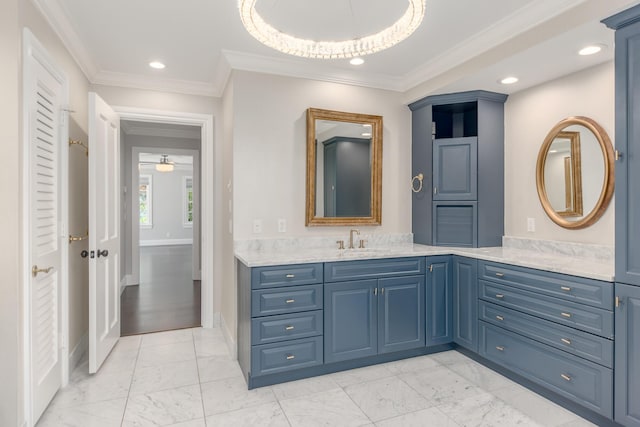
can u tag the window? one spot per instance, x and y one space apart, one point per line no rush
145 199
187 201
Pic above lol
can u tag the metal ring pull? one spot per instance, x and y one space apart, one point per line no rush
420 178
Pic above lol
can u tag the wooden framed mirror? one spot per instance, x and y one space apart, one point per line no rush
575 172
344 168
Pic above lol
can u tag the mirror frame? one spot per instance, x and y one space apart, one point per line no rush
314 114
608 180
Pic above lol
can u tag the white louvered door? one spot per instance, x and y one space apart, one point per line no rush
104 230
44 98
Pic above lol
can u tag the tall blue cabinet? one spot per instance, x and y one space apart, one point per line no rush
458 149
627 246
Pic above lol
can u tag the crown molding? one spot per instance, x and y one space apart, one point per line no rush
140 129
312 70
134 81
510 26
58 20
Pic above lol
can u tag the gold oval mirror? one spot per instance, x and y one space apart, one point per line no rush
344 168
574 172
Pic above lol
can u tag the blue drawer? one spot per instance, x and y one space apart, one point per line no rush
284 327
583 317
286 275
571 288
584 382
286 300
371 269
286 356
588 346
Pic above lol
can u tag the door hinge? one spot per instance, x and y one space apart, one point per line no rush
618 302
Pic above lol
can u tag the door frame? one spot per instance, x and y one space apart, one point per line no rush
207 191
33 48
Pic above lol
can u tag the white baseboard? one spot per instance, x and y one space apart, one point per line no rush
216 320
166 242
228 337
78 352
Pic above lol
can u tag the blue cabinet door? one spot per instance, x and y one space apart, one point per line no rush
627 356
465 302
350 314
400 313
455 169
439 300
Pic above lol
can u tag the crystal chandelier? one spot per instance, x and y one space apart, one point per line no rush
286 43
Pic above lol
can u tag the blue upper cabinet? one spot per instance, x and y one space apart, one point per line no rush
458 151
627 141
455 168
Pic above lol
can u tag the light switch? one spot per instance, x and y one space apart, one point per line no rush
282 225
257 226
531 224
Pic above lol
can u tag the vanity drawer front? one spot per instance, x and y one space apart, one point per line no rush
585 318
286 275
584 382
286 300
588 346
270 329
576 289
369 269
285 356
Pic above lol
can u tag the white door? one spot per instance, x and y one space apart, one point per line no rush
104 231
45 95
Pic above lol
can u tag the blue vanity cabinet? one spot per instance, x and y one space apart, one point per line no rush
627 143
465 302
439 300
627 355
383 312
458 150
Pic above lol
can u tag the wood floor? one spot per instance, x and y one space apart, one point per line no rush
167 297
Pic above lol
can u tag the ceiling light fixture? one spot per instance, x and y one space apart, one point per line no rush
590 50
157 65
366 134
356 61
509 80
165 165
324 49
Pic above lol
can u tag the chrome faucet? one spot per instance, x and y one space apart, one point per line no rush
351 238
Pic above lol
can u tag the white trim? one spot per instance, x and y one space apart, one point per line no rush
33 48
78 352
136 81
228 338
166 242
208 191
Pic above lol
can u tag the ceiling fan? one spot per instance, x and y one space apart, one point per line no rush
164 164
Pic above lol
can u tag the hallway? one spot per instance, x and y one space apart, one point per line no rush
167 297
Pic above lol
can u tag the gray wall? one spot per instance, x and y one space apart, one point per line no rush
166 200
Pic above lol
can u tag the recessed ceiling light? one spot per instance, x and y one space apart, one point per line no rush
366 125
590 50
366 133
509 80
356 61
157 65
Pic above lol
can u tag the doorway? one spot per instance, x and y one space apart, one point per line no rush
161 227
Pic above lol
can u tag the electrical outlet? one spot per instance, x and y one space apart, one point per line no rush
282 225
257 226
531 225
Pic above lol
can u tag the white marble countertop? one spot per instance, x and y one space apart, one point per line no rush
573 265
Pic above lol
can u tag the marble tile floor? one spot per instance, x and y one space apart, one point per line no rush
186 378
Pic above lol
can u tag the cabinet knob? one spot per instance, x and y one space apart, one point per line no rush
290 301
617 155
566 341
565 377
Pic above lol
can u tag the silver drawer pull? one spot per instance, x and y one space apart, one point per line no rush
565 288
500 274
290 276
290 301
567 315
499 296
566 341
565 377
290 357
500 348
289 328
500 318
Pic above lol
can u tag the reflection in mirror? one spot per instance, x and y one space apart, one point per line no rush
343 168
575 177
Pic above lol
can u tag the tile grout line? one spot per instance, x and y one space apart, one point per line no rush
195 352
135 366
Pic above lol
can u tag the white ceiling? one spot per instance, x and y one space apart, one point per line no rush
461 45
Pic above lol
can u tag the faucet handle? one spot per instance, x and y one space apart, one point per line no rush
340 244
362 242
